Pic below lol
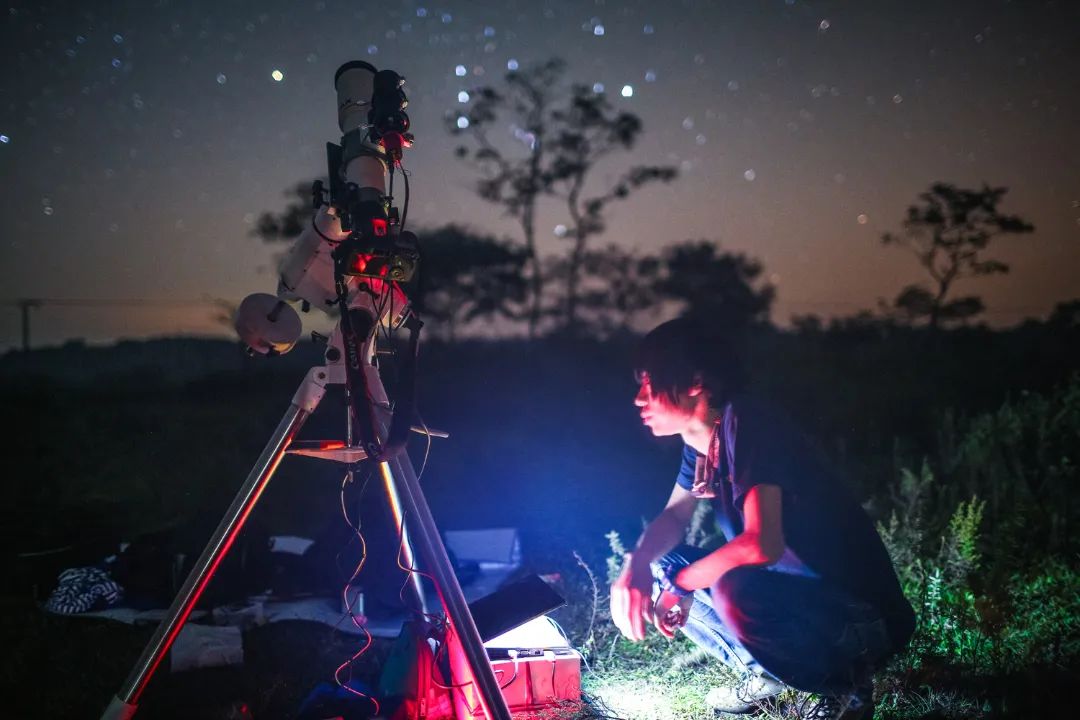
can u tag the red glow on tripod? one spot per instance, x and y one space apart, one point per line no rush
379 226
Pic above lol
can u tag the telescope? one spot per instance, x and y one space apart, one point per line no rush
354 260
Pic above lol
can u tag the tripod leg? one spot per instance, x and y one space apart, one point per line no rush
306 399
425 535
407 500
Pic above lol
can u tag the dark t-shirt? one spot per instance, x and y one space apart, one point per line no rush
826 531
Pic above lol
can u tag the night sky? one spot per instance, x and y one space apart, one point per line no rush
140 140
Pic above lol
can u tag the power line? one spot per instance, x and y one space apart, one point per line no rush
113 302
25 305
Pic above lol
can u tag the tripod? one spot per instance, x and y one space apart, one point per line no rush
352 257
406 499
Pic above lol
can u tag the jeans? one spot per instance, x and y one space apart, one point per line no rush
800 629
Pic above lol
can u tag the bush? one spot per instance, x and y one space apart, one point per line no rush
981 607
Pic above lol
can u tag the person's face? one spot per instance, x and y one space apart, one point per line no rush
659 413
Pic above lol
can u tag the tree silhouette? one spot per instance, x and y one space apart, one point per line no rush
513 181
947 231
721 288
1065 315
585 132
559 140
287 224
465 276
616 286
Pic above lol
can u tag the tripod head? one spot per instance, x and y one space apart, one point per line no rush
355 256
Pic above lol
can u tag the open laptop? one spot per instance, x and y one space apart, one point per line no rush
510 607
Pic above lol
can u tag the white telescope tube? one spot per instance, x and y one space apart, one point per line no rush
355 84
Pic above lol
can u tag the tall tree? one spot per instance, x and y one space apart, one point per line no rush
585 131
948 230
513 180
561 138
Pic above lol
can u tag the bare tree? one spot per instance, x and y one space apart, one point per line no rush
947 232
585 132
513 181
564 136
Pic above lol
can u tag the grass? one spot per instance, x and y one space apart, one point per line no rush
69 667
990 565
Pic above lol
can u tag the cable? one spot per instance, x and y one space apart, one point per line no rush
409 571
405 205
436 621
427 449
513 658
550 655
329 240
390 191
369 639
363 551
435 663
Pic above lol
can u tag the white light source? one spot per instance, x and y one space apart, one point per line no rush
627 91
277 75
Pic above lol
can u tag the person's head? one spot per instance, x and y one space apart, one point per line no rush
683 367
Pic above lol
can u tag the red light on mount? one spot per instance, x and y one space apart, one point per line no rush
359 264
379 226
371 266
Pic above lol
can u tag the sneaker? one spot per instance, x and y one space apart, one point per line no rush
851 706
745 697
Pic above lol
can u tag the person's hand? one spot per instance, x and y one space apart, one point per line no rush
670 612
631 599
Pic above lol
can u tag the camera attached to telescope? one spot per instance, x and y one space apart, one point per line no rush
355 256
377 245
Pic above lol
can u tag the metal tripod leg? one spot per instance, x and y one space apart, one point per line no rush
425 536
306 399
407 501
404 490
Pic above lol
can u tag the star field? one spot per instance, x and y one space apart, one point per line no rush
140 140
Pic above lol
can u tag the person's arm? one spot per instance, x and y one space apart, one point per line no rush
667 530
760 543
631 593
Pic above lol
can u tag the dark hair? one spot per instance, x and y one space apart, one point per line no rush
676 353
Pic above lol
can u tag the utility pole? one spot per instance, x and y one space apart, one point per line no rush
24 305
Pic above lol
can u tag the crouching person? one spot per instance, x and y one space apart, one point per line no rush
802 594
